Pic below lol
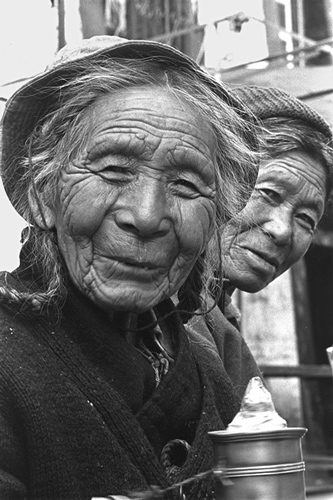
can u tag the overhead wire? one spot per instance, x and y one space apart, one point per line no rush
311 47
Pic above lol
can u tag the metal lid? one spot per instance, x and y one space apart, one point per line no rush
284 433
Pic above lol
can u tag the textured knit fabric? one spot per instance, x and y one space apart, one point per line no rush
268 102
79 414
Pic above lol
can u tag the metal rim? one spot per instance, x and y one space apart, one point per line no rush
261 470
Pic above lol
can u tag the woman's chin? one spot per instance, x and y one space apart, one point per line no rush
134 301
252 286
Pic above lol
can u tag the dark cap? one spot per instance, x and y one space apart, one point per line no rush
269 102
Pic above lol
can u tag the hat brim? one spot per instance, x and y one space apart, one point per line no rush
34 100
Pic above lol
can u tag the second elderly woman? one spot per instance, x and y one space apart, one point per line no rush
126 160
293 188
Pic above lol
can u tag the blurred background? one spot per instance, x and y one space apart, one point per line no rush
284 43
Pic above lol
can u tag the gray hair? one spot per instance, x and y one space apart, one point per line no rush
62 136
282 135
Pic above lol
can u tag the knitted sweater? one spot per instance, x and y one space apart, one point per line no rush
79 413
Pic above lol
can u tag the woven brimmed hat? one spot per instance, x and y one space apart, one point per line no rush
269 102
36 99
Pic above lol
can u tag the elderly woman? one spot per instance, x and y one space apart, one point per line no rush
294 183
126 160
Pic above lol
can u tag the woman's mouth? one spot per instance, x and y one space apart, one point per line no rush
130 262
266 256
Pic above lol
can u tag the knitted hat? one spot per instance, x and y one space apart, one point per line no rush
268 102
37 98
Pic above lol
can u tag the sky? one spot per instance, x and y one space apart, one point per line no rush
25 49
28 41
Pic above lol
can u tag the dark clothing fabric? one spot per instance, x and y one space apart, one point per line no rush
231 312
225 304
80 415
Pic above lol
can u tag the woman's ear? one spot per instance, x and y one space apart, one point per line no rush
43 215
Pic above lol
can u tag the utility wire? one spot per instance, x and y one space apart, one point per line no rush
281 55
292 34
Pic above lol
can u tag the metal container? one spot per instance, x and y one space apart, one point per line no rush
259 465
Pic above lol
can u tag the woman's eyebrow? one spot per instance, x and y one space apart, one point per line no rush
315 204
111 146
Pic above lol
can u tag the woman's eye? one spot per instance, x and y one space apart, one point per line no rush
308 221
186 187
114 173
114 168
270 193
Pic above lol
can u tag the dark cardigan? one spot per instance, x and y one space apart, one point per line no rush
79 415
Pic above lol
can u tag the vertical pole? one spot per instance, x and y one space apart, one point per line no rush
300 30
166 16
61 24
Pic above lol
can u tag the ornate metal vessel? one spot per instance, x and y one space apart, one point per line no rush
259 465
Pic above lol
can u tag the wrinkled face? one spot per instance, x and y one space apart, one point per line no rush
136 209
278 223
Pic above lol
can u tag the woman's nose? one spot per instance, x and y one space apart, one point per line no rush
279 227
144 210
